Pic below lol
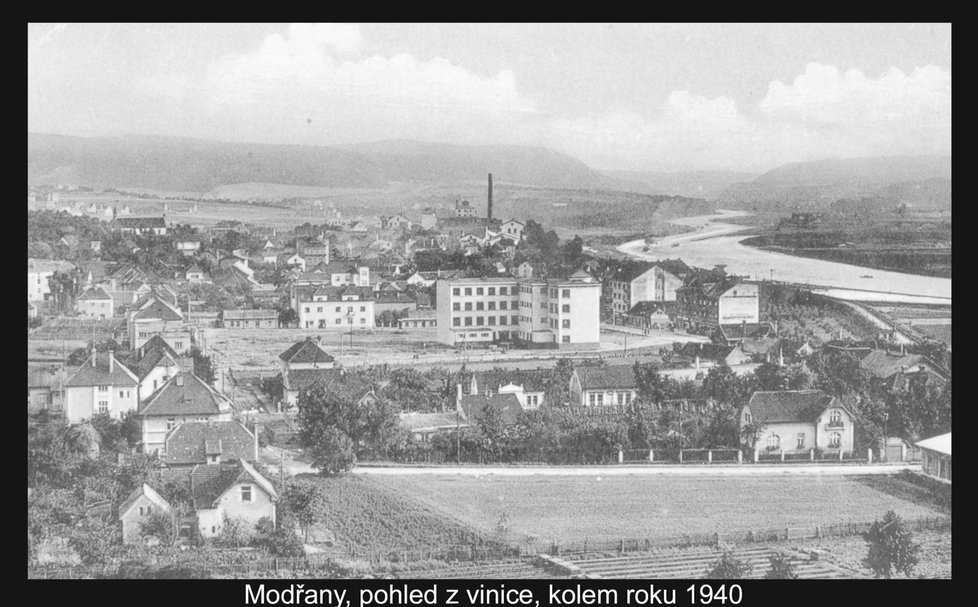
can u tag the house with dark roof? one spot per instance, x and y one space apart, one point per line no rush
422 426
529 386
304 365
154 363
94 303
236 490
896 372
651 281
152 315
101 385
137 509
44 388
797 421
340 308
183 398
472 407
209 443
711 298
140 225
605 385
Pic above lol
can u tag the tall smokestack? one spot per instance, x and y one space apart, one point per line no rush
490 197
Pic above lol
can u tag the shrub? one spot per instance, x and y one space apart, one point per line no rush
781 568
729 567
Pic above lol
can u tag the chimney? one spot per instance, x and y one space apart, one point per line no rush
490 197
255 434
458 393
180 380
111 362
94 357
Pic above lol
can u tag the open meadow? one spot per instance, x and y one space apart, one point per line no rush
545 509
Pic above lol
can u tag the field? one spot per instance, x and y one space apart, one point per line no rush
367 518
545 509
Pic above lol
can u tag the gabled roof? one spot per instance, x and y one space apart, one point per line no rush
248 314
430 421
94 293
610 377
209 483
99 375
193 397
882 364
154 308
149 493
306 351
941 443
532 380
191 442
147 357
507 405
791 406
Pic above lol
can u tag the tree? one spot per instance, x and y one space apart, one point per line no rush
729 567
161 525
94 540
891 547
203 367
286 316
332 454
234 533
306 503
751 433
781 568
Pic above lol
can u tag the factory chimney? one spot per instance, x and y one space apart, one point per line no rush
490 197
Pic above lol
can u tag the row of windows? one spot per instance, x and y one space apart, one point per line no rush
564 324
338 310
543 319
479 305
478 321
564 308
483 290
616 398
774 441
339 321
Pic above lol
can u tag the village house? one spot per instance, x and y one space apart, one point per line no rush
101 385
249 319
236 490
209 443
798 421
528 386
153 363
94 303
313 250
655 282
471 407
137 509
153 316
45 388
897 371
601 386
195 273
140 225
183 398
187 247
339 308
709 300
304 364
422 426
419 319
936 456
39 271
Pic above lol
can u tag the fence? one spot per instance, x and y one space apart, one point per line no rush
624 545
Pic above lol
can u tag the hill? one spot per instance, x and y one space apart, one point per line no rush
693 184
180 164
819 183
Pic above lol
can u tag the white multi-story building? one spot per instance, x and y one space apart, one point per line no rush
101 385
533 310
340 308
38 273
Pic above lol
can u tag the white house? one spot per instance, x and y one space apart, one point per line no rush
101 385
137 509
237 491
183 398
799 421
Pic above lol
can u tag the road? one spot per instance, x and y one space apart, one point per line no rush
714 242
272 456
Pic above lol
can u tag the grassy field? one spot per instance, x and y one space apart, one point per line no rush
570 509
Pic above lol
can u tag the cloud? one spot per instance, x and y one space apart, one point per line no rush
314 85
822 113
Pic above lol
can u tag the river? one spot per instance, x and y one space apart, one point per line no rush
714 242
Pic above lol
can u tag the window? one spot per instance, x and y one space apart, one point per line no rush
566 293
591 399
492 320
349 308
121 394
363 321
245 493
468 321
171 423
543 290
491 291
599 399
479 305
565 324
456 291
456 306
628 397
103 388
307 309
339 320
468 306
456 322
363 308
835 417
502 320
565 339
319 309
178 345
747 417
339 309
773 441
502 305
492 305
103 406
478 321
801 440
835 440
479 291
565 308
514 320
543 305
468 290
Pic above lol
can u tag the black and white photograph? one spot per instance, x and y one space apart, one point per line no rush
489 301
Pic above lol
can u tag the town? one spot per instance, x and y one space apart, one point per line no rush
196 367
489 301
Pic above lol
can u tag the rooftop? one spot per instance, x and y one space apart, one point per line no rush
306 351
941 443
100 375
613 377
191 442
790 405
209 483
185 394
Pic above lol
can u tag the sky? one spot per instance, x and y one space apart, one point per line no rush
651 97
